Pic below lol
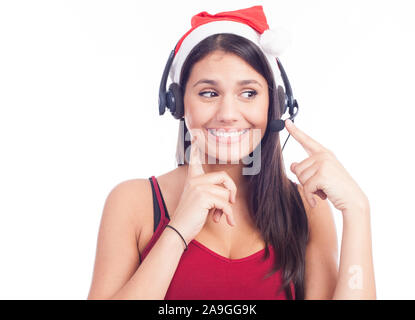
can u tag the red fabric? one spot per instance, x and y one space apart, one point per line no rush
253 17
202 274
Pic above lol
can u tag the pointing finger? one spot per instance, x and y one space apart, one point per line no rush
195 162
310 145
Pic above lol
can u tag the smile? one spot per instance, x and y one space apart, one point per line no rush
223 133
227 137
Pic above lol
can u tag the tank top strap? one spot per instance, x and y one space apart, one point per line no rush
160 215
160 200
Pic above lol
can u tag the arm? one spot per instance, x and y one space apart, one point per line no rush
321 271
153 277
356 274
117 273
355 277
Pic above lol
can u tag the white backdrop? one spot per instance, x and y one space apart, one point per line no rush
78 115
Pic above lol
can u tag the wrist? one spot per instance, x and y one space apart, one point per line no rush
176 235
357 212
181 229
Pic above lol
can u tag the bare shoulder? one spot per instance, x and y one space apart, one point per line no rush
126 227
130 190
117 256
127 203
134 196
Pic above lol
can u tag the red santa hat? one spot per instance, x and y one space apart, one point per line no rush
249 23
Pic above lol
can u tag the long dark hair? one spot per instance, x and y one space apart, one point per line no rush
275 203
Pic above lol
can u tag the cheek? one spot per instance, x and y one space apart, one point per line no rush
264 114
194 113
259 117
194 117
190 114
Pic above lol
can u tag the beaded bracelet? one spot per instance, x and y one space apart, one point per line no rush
178 234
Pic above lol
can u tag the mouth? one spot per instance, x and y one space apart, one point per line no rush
227 136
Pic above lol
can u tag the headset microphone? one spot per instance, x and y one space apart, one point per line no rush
276 125
279 124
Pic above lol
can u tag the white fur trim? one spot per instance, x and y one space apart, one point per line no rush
275 41
215 27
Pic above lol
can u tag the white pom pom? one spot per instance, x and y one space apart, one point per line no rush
275 41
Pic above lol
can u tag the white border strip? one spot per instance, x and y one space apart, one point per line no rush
210 28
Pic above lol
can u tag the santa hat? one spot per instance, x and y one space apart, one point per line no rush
249 23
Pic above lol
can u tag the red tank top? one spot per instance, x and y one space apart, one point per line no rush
203 274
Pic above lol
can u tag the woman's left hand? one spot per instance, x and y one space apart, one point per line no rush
322 174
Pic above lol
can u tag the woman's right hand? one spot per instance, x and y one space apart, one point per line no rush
203 195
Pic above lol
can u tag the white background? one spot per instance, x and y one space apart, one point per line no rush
78 115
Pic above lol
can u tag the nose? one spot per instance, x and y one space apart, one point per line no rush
228 110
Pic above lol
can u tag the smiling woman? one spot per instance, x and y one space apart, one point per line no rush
164 237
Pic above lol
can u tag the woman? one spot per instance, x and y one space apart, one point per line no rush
165 238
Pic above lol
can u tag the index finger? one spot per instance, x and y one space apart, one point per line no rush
196 171
195 161
309 144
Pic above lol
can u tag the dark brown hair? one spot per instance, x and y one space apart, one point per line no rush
275 204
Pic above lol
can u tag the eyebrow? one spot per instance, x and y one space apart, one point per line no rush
214 83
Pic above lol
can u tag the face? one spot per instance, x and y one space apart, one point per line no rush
226 102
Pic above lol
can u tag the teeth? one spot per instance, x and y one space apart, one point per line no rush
221 133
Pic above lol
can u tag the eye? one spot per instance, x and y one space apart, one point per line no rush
252 93
204 92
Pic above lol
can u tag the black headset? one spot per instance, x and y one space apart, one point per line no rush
173 98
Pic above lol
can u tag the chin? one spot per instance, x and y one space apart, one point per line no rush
229 154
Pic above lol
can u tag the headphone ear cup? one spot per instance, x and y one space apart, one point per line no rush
176 97
282 99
